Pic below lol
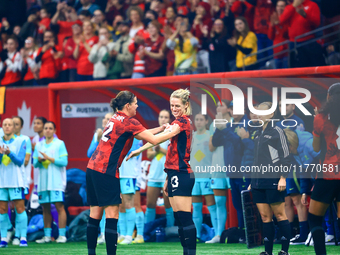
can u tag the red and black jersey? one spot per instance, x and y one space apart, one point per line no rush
178 155
115 143
330 149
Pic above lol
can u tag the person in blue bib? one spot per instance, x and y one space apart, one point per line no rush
93 146
51 157
12 182
200 161
157 176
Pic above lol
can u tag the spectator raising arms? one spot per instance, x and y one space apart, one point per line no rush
82 51
30 68
12 64
185 46
98 51
245 43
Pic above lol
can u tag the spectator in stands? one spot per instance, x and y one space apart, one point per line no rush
306 14
88 5
244 9
291 119
114 8
115 32
152 53
45 20
120 55
30 28
98 51
84 15
11 65
278 33
16 30
48 56
82 51
203 20
151 15
51 157
30 68
99 21
136 47
262 11
71 73
170 17
228 19
333 57
184 45
245 43
220 52
136 15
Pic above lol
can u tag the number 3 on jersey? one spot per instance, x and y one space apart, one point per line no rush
108 131
174 181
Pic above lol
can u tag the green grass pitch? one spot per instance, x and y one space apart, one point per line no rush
153 248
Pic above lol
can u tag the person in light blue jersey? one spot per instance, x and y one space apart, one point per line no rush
12 182
18 125
51 157
127 212
200 161
219 182
290 120
157 176
93 146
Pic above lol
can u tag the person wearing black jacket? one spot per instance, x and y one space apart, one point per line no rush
268 188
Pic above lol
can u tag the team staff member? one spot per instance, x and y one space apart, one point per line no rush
51 157
12 182
271 148
93 146
157 176
180 180
327 186
102 175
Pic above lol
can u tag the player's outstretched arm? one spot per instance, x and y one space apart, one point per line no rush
157 130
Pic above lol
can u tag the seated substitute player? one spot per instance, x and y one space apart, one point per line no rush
102 175
18 125
51 157
180 180
200 160
326 137
157 176
93 146
12 182
301 148
271 148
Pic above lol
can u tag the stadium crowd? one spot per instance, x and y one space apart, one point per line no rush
80 40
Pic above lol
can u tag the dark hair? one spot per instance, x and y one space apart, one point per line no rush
43 119
153 13
13 37
21 120
85 13
226 102
137 9
332 105
237 34
165 110
205 116
123 98
50 122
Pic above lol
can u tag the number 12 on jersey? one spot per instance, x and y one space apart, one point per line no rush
108 131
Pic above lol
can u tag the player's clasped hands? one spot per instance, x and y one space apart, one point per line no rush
45 157
4 150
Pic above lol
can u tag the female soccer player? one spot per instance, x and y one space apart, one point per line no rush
326 137
200 160
12 182
180 180
271 149
51 157
157 176
93 146
102 175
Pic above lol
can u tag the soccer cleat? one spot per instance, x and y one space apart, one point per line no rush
61 239
3 244
45 239
216 239
16 241
120 239
329 239
101 239
127 240
10 234
23 243
294 238
138 239
264 253
297 240
283 253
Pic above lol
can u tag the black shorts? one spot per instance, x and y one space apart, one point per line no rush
102 189
180 183
268 196
326 190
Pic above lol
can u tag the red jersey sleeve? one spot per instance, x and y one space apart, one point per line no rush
287 14
318 125
135 127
